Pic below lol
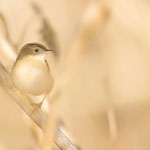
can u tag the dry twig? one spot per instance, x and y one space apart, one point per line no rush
27 106
52 123
5 31
47 32
22 99
89 27
94 19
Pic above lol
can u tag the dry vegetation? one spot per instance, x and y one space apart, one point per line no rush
100 100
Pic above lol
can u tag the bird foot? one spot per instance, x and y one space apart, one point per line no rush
36 107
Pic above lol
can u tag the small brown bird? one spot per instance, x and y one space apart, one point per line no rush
31 72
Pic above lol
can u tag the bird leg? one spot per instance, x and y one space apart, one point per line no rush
37 106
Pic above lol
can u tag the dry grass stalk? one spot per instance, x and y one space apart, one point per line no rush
10 53
89 27
52 124
94 19
5 32
87 30
6 46
20 98
4 28
47 32
112 121
27 106
111 115
23 100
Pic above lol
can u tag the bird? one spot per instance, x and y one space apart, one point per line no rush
31 72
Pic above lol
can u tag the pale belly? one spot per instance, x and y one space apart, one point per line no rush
32 77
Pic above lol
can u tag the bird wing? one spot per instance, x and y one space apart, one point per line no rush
47 64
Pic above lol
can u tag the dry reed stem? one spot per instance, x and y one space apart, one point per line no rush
10 53
6 46
113 126
4 30
47 32
100 14
4 27
22 99
87 30
27 106
52 124
112 121
94 19
111 114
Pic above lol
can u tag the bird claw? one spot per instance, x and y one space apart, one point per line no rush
36 107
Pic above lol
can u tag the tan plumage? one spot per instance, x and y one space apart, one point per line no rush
31 72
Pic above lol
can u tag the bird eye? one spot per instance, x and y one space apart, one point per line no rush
36 50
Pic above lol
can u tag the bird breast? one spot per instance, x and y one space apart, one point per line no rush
32 76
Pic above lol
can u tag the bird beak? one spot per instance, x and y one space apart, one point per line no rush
49 50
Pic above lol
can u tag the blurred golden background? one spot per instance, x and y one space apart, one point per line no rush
104 101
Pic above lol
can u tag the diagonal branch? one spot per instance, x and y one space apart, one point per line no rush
47 32
27 106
